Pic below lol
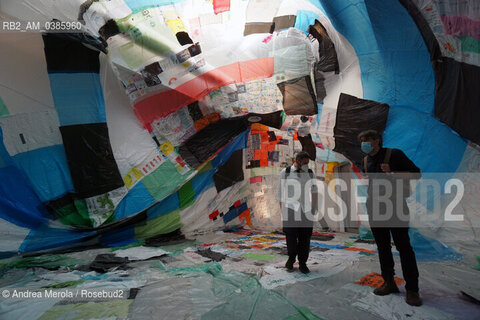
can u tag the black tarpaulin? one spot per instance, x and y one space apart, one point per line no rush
230 172
90 158
205 143
64 54
320 86
355 115
457 99
308 146
298 96
273 119
328 56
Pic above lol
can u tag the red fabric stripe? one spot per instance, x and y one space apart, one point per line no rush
220 6
165 102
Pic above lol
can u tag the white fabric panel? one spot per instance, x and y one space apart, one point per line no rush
29 131
262 10
131 143
100 12
12 235
348 81
24 82
64 10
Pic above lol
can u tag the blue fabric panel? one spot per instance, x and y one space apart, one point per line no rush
428 249
240 142
117 238
18 202
203 181
47 237
394 61
305 19
78 98
233 213
47 170
172 202
136 200
138 5
429 143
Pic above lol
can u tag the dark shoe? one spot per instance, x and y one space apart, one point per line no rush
386 288
413 298
303 268
289 265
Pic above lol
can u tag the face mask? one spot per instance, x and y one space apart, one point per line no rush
304 168
366 147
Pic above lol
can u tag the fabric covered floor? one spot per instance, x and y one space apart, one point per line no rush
235 275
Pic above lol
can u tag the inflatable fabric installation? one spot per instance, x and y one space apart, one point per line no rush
167 116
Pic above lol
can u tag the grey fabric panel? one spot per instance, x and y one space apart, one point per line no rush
258 27
284 22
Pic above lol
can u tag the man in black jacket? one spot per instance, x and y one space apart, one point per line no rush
389 172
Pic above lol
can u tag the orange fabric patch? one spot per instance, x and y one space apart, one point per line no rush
375 280
259 127
359 249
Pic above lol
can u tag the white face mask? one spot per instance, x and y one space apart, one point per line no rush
304 167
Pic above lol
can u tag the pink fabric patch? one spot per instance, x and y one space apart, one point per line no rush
461 26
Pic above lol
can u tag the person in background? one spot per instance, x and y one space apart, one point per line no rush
390 165
297 226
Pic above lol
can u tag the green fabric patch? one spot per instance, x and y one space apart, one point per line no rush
74 214
163 181
264 171
212 268
470 44
366 253
47 261
3 109
245 298
89 310
138 243
186 194
477 267
164 224
348 244
259 256
66 284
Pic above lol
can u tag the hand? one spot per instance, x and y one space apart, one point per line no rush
385 167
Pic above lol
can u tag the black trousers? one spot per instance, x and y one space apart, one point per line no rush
407 256
298 242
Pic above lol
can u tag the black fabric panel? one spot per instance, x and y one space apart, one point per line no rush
308 146
64 54
274 119
457 99
208 141
90 158
320 86
284 22
183 38
194 111
355 115
328 56
298 96
109 29
54 205
230 173
174 237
